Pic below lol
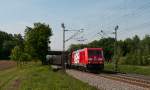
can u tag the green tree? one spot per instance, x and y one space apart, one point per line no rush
6 49
19 41
6 45
37 40
15 54
19 56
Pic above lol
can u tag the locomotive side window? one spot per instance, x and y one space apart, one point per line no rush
92 53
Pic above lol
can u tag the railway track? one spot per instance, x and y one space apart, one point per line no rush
138 80
112 81
134 80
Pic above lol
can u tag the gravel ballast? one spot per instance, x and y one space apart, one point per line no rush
103 83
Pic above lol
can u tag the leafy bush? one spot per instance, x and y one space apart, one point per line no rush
19 56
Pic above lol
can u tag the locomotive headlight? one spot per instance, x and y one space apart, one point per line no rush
90 59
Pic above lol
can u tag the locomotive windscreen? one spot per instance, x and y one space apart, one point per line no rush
97 53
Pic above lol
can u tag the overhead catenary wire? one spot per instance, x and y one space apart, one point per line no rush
74 35
132 13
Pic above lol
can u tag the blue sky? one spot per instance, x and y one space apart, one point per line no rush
132 16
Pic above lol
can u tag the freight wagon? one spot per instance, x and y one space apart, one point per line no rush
54 59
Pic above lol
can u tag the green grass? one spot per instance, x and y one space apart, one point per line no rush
143 70
7 76
38 77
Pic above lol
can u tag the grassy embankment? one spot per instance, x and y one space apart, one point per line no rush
143 70
37 77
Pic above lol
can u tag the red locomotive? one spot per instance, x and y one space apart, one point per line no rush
89 58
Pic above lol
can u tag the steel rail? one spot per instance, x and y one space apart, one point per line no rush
128 79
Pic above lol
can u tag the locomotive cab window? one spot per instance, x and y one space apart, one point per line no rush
92 53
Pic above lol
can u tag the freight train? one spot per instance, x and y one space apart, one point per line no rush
91 59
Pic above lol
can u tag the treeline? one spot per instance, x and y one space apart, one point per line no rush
7 43
133 51
33 46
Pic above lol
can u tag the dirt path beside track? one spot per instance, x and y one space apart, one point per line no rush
4 64
14 85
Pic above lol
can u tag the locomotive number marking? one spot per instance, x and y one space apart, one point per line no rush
76 57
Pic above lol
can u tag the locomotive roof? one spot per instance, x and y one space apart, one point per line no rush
88 49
